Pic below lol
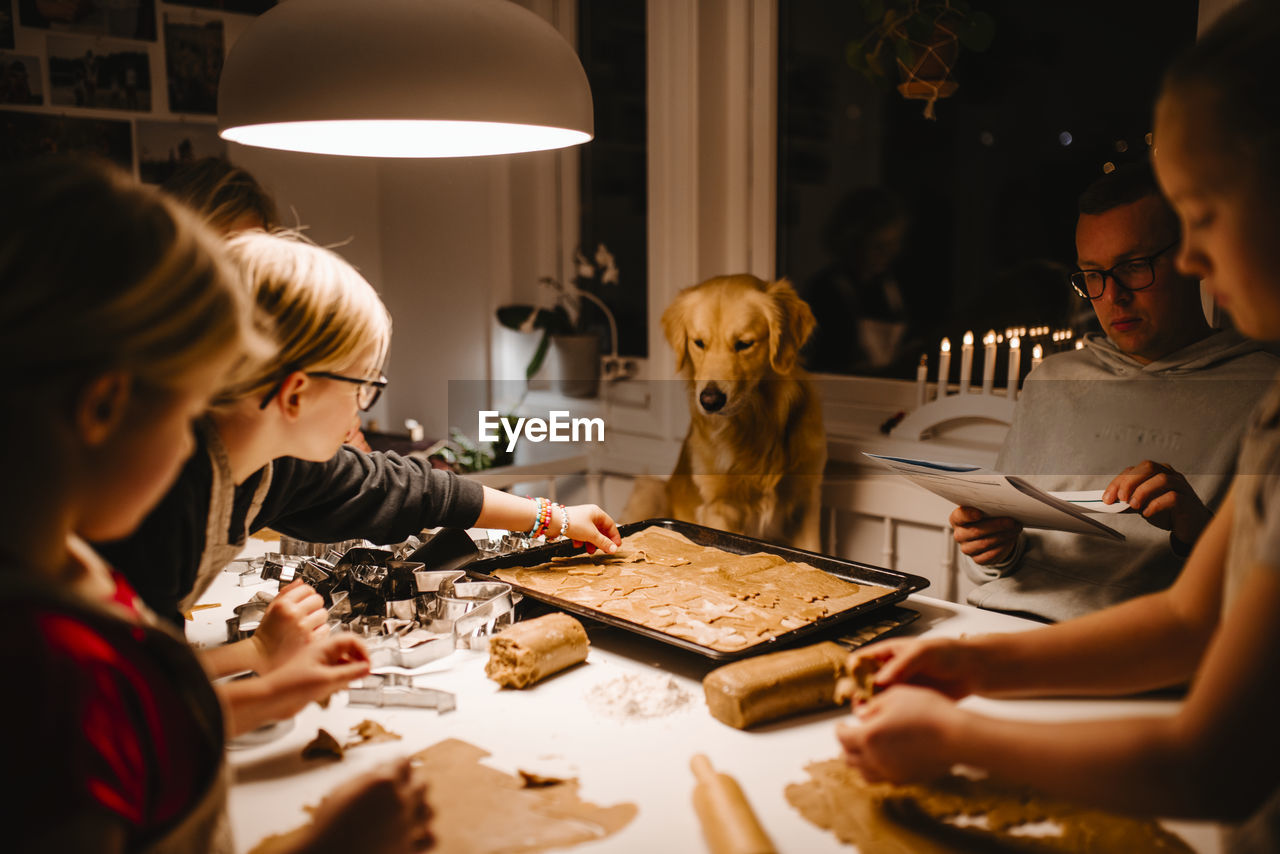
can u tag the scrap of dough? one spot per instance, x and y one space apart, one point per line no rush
323 746
883 817
531 650
465 795
370 732
774 686
533 780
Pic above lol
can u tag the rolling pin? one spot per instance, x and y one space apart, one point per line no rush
729 825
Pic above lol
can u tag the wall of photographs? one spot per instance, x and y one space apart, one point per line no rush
134 81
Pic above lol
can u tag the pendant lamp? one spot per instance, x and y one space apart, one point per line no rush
403 78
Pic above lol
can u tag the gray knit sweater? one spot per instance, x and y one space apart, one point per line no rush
1083 417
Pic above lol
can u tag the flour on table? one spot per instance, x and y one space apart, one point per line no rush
635 695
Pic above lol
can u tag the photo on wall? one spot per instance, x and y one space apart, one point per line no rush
99 75
248 7
6 27
124 19
26 134
193 60
20 79
164 147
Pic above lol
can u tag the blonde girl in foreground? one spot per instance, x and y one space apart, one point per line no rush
119 318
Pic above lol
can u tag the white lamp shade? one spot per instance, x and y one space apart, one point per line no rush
404 78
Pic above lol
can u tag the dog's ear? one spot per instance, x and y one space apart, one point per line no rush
791 323
675 323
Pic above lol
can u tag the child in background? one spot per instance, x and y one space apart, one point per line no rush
1217 155
119 318
270 453
227 197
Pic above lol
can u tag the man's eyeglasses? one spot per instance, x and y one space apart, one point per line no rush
366 395
1133 274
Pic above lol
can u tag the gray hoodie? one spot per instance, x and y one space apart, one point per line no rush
1083 417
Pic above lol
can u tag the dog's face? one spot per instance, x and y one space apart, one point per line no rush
731 332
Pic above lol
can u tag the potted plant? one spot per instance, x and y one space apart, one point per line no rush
562 325
461 455
921 39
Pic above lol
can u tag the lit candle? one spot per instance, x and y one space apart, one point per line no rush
989 362
966 362
1037 356
1015 366
1079 343
944 367
922 379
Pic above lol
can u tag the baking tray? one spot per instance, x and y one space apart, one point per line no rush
897 585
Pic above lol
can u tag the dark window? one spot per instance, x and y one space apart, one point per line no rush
988 189
614 188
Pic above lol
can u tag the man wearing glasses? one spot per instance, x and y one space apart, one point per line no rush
1151 411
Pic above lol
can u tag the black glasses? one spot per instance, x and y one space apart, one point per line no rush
366 395
1133 274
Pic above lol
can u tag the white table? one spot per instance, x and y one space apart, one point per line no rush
552 728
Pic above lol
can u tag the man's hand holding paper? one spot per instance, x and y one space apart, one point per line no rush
985 539
1163 497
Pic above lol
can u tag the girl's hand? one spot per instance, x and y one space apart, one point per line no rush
590 525
904 735
949 666
315 673
295 618
383 811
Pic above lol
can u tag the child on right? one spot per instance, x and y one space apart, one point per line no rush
1217 156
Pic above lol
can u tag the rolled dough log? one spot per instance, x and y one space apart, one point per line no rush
776 685
534 649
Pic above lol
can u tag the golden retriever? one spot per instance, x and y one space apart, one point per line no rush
753 458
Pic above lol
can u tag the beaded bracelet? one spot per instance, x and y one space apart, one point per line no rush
564 521
541 517
546 519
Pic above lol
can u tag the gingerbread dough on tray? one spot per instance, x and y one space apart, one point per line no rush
661 580
531 650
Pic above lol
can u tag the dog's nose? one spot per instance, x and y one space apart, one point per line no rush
712 399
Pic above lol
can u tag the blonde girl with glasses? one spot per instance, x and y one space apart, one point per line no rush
271 452
119 319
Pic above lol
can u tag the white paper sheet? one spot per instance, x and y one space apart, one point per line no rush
997 494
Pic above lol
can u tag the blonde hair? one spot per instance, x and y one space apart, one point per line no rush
320 311
101 273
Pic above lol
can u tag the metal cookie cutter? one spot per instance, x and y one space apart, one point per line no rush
248 571
404 643
396 690
400 589
478 609
280 567
248 617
